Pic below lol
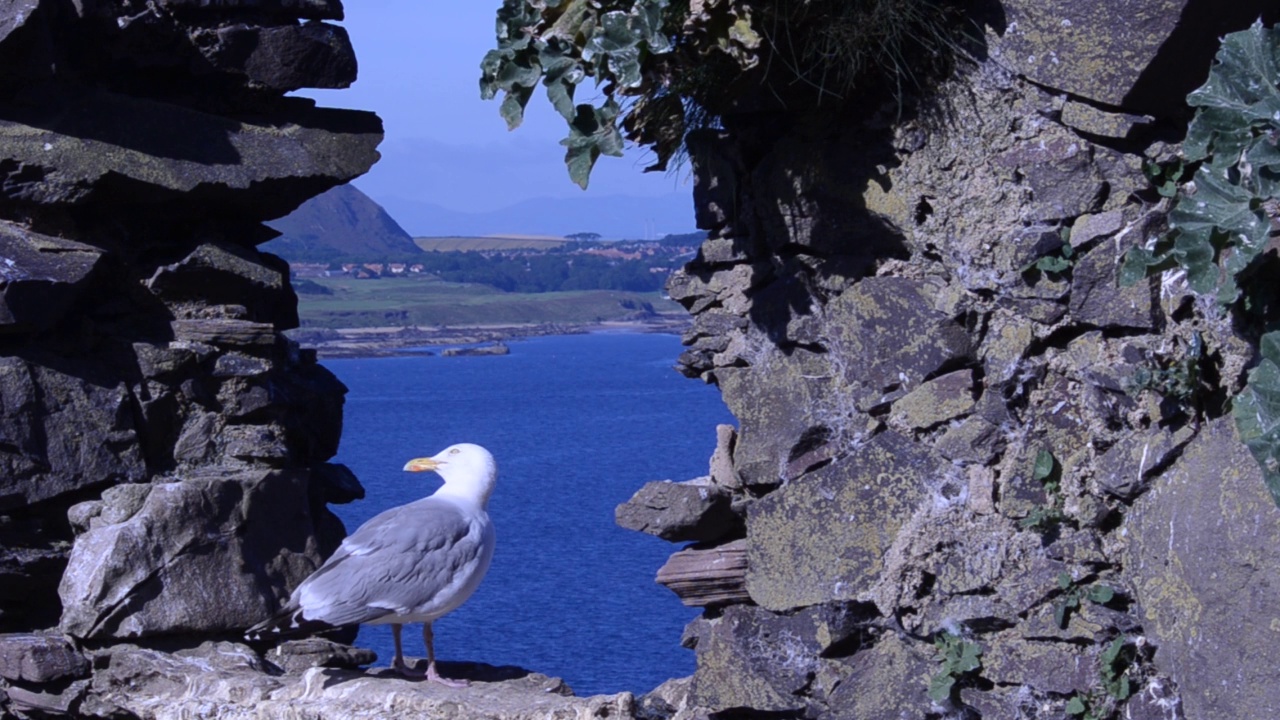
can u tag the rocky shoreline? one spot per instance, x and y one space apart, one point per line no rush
396 341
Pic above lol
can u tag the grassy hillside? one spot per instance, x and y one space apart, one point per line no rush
424 302
490 242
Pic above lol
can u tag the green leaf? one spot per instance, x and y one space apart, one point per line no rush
970 658
940 687
1076 706
512 108
1101 594
1044 466
1257 413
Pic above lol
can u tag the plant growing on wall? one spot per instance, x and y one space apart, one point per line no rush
1225 217
663 67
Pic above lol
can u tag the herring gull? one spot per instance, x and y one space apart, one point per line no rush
412 563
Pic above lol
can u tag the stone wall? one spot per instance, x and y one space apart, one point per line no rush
870 306
163 447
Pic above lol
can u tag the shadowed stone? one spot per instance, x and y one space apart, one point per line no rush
62 433
40 277
285 57
39 658
298 655
113 149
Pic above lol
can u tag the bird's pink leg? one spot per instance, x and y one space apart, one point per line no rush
398 664
427 637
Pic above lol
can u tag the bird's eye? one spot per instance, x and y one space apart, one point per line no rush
454 451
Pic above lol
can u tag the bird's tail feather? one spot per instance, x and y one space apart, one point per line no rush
288 622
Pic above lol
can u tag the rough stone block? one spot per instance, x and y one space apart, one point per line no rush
974 440
207 554
1059 169
1201 560
778 402
105 150
39 658
750 658
41 277
62 432
941 399
693 511
283 57
823 537
1091 120
877 686
1088 228
1097 299
298 655
1124 469
702 576
889 330
1049 667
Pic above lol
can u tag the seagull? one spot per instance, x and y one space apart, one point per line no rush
410 564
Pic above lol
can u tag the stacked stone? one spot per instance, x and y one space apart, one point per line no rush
163 446
907 317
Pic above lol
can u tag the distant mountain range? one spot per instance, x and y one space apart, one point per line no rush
614 217
344 222
340 222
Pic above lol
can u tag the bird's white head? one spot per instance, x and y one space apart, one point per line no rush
468 470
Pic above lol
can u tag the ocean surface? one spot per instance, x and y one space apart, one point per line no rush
577 423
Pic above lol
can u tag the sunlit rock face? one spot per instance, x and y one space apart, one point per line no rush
163 447
944 434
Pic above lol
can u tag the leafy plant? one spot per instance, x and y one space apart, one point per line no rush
1117 659
1179 379
1257 412
1081 707
664 67
1224 217
959 659
1046 518
1072 595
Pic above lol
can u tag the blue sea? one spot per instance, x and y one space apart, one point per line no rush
577 423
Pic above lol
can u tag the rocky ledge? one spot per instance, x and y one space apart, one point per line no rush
303 679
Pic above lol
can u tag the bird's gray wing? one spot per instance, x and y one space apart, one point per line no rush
392 564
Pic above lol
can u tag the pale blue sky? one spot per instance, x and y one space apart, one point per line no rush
419 70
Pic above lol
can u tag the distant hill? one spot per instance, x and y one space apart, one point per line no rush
489 242
337 223
615 217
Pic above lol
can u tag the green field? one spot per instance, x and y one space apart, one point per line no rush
489 242
429 302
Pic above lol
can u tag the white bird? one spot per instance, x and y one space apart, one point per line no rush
412 563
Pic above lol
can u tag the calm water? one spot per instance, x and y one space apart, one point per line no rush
577 424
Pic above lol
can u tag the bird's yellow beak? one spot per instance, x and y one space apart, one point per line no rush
421 464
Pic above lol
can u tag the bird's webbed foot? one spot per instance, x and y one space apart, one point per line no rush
436 677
